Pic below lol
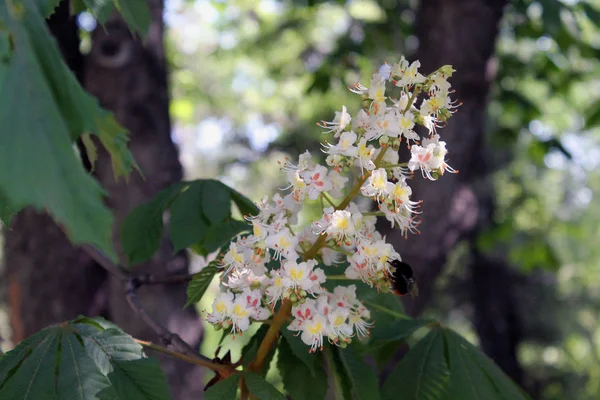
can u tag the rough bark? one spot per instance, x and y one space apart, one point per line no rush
129 77
51 281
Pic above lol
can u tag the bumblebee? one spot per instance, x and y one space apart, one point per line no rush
402 279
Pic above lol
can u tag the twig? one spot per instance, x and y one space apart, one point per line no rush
105 262
222 369
167 337
184 351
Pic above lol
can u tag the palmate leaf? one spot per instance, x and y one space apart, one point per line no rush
397 330
37 164
300 349
81 112
81 360
141 231
299 381
473 376
260 388
198 285
423 374
200 218
223 390
136 13
362 377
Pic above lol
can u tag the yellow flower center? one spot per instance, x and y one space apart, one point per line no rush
221 307
315 328
239 311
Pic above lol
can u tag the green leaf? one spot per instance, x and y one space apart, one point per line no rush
397 330
37 163
199 283
220 235
187 224
362 377
139 379
47 7
295 375
592 117
7 211
473 376
100 9
299 349
114 139
80 111
79 377
423 373
244 204
261 388
81 360
216 201
141 231
34 379
136 13
223 390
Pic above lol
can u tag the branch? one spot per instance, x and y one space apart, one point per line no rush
184 351
167 337
222 369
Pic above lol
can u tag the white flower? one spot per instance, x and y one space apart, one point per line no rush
276 288
302 313
341 120
235 258
301 276
365 155
429 158
344 147
377 185
240 315
284 244
408 75
406 124
313 331
317 182
222 308
338 181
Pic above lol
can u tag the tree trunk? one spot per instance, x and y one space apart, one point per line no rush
50 281
462 33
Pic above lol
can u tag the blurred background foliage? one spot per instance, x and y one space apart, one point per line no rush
250 78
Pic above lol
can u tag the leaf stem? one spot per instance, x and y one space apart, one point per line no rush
385 310
328 199
223 370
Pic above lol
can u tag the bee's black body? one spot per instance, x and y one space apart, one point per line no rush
402 278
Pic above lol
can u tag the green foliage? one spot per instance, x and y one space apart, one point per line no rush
200 218
82 359
198 285
141 231
361 375
261 388
298 349
301 381
48 111
473 376
423 374
398 330
135 12
223 390
444 366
